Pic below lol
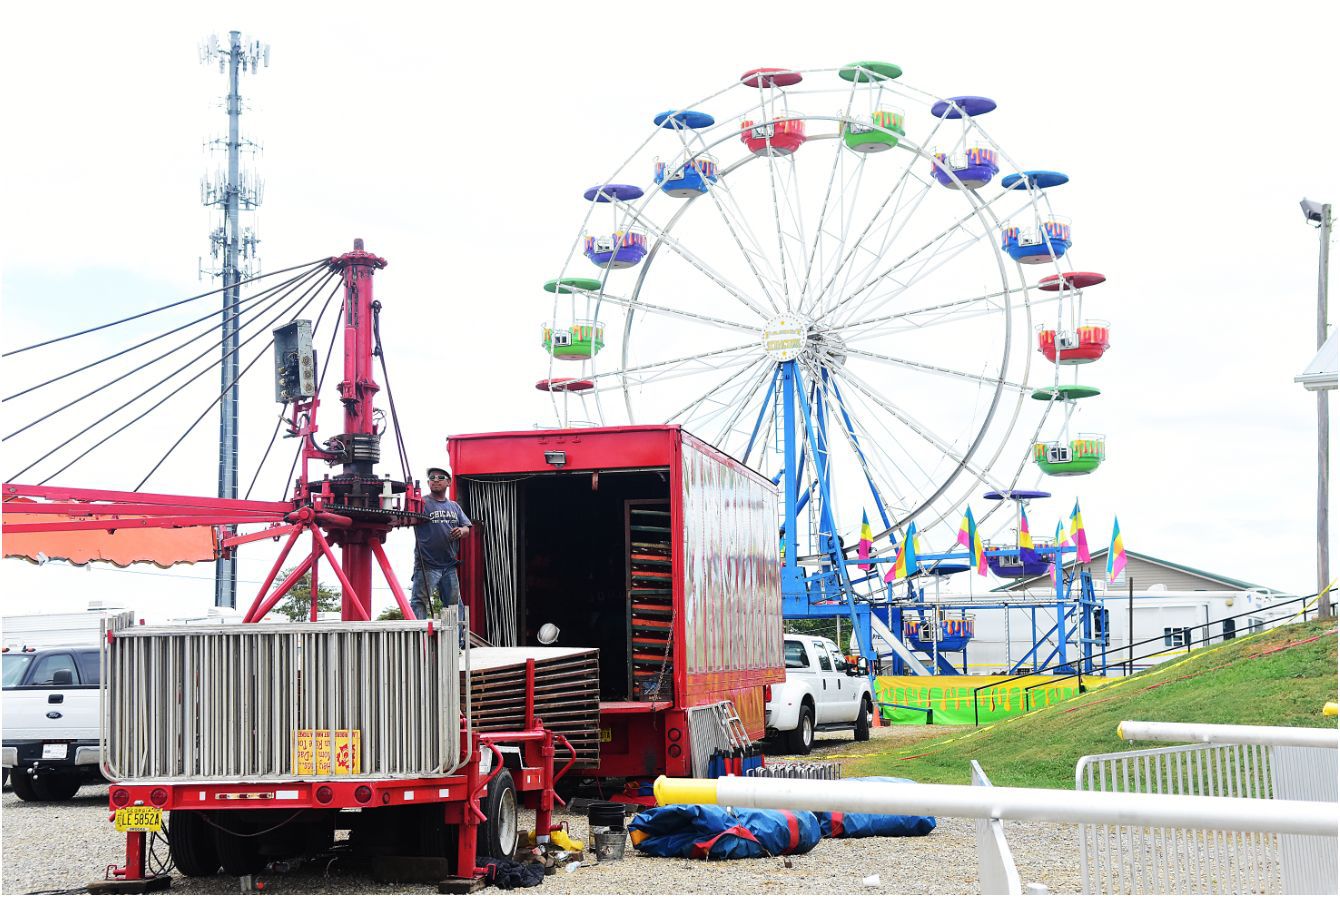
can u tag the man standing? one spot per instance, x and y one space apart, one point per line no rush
435 544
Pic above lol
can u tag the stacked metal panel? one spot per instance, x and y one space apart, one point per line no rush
824 770
567 694
265 702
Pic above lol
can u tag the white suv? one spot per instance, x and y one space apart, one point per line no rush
822 692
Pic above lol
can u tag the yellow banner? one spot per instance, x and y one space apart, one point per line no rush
310 752
951 697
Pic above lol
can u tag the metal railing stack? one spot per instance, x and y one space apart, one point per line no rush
278 701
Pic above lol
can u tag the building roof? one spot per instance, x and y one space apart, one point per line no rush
1237 585
1320 372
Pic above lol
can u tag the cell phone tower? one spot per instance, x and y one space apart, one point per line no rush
233 251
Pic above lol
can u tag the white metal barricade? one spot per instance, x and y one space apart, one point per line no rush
1135 859
996 872
266 702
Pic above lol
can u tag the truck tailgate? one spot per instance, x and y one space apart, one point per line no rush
29 714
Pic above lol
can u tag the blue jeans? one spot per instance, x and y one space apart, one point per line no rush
433 579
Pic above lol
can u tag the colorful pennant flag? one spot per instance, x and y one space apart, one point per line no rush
1058 541
971 539
905 562
867 540
1027 550
1078 535
1116 553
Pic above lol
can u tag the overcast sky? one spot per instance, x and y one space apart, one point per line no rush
457 145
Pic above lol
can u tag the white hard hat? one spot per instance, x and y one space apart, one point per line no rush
548 634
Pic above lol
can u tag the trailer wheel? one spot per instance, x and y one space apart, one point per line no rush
22 784
800 739
238 854
498 834
57 786
863 722
191 840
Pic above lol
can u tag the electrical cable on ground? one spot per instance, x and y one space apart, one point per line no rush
235 307
159 404
317 263
51 414
187 432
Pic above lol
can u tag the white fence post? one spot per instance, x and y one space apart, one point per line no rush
996 872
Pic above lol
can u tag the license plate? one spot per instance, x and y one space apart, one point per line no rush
55 751
139 819
606 736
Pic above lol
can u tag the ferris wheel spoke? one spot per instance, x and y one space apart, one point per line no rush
937 369
987 300
838 148
640 305
896 190
700 358
664 238
712 397
924 432
751 258
958 226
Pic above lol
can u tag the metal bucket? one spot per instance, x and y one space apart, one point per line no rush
610 845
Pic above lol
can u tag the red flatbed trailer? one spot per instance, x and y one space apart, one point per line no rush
571 516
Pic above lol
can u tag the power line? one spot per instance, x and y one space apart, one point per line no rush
295 284
252 298
156 310
136 398
226 389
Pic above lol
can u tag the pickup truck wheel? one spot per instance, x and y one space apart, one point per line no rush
23 785
800 739
57 786
498 836
191 840
863 722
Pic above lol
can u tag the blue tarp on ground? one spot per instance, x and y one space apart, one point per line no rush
866 825
705 831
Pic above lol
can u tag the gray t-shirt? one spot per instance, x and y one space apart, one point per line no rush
433 543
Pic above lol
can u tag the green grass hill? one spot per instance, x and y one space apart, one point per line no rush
1280 677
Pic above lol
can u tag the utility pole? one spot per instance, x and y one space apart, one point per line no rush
233 247
1320 215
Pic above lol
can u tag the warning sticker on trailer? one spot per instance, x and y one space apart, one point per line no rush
311 752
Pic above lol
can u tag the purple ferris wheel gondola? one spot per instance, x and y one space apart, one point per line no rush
973 168
622 249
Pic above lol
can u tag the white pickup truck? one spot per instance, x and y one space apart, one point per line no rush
50 721
822 692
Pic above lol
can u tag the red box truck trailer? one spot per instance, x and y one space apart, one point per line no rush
644 542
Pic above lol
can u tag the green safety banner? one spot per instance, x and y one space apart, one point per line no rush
950 698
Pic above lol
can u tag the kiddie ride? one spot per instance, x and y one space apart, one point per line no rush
252 743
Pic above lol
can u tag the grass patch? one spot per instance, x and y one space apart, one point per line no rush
1280 677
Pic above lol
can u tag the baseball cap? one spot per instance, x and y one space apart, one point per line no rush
440 470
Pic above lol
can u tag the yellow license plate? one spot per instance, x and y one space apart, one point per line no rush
606 736
139 819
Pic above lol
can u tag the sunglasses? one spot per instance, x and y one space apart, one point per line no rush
437 477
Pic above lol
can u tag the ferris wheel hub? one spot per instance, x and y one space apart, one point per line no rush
786 335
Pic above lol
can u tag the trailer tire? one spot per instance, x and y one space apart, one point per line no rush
191 840
57 787
498 833
862 732
800 739
238 854
22 783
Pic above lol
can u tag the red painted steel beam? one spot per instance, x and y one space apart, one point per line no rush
114 523
62 493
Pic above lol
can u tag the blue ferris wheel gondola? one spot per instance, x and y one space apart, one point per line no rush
611 192
959 107
689 179
1040 179
1037 245
1014 566
684 118
1016 494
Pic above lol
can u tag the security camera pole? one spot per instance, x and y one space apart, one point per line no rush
1320 215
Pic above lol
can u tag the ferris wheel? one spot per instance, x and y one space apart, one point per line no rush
823 273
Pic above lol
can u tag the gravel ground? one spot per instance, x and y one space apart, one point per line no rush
60 848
